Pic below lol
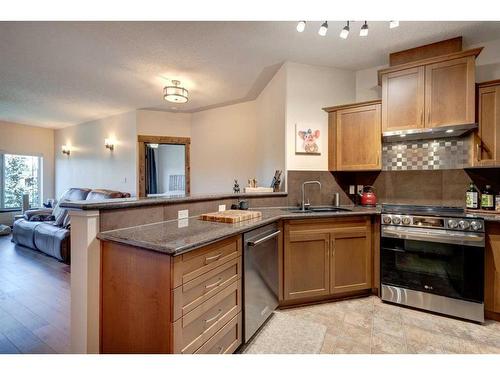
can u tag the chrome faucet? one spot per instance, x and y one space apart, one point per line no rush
305 205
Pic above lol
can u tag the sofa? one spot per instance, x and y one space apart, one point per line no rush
48 230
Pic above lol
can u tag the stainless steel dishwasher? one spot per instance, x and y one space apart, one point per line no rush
260 277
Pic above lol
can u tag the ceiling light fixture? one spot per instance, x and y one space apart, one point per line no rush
393 24
345 31
301 26
175 93
323 29
364 30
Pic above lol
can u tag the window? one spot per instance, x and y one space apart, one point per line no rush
19 175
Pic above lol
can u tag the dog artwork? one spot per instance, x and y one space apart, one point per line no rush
307 142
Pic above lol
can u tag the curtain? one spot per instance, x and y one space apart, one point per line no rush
152 182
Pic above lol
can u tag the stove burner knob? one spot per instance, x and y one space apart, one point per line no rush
386 219
452 224
463 224
476 225
406 220
396 220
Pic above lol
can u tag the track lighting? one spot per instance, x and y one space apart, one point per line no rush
393 24
323 29
345 31
364 30
301 26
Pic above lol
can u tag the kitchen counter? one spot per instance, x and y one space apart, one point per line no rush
111 204
175 237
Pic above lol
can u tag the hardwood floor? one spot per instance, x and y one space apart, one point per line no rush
34 301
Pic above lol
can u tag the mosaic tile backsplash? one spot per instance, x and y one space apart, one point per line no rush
427 154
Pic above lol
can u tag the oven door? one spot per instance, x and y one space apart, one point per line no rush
436 261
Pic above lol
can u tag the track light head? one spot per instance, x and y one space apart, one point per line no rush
301 26
323 29
393 24
364 30
345 31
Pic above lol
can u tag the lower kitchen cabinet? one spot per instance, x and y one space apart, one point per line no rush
327 257
492 271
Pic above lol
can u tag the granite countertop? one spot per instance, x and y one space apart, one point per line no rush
494 216
175 237
111 204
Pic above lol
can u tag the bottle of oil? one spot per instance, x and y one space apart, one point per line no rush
487 199
472 197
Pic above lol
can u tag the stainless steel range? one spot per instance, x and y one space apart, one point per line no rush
433 258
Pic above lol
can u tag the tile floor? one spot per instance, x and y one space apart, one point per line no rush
368 325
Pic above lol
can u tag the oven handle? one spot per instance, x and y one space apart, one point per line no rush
466 239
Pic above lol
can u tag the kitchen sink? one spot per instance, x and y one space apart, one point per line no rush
311 210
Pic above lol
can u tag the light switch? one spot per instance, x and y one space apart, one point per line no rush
352 189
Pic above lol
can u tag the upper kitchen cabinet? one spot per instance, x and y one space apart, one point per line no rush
403 99
434 92
354 137
487 150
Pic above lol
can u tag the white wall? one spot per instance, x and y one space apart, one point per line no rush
367 87
308 90
151 122
223 147
30 140
90 163
270 130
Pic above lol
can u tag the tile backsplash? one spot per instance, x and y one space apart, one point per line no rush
428 154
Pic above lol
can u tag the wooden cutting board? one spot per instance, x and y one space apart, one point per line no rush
231 216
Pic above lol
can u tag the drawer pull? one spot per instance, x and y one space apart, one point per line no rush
217 283
213 258
208 321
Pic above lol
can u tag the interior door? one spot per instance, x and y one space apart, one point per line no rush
449 93
403 99
306 264
359 138
351 260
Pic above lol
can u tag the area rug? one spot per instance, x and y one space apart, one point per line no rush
285 334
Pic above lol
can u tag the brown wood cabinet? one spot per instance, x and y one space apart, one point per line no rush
487 140
354 139
492 271
325 258
403 99
434 92
156 303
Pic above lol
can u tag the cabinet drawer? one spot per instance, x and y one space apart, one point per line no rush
195 263
193 293
197 326
226 341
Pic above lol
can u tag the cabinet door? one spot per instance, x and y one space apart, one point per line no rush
403 99
449 93
492 268
487 151
306 264
359 138
351 260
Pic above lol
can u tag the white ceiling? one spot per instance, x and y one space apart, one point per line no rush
57 74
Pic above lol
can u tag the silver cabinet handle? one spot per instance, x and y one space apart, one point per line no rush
263 239
208 321
213 258
217 283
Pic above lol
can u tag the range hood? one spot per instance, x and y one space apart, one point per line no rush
428 133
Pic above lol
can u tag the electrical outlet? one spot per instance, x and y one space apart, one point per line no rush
182 223
182 214
222 207
360 189
352 189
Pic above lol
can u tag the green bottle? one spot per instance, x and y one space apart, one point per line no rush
487 199
472 197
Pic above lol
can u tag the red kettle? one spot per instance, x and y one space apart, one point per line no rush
368 197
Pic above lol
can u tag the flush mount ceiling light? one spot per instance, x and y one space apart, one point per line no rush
364 30
323 29
175 93
301 26
345 31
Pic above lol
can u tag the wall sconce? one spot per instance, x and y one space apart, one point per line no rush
109 143
66 149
